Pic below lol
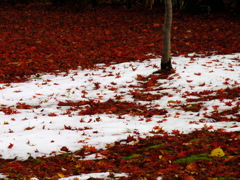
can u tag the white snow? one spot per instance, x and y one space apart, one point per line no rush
2 175
104 175
41 131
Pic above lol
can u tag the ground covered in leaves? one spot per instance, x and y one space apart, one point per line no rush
36 40
179 156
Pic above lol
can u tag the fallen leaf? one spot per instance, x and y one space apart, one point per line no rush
10 146
217 152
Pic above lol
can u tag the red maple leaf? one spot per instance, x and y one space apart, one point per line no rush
10 146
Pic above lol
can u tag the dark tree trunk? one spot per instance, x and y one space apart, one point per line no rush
129 4
166 64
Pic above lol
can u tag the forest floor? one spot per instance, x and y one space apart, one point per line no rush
79 100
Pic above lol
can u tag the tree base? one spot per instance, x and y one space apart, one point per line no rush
166 68
161 71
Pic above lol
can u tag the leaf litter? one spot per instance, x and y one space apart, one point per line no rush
116 121
76 121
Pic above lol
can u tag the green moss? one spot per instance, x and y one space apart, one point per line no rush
192 158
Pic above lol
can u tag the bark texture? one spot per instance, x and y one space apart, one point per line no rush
166 64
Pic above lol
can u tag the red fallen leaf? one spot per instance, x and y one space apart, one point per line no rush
151 45
64 148
189 81
107 32
216 144
145 96
181 154
10 146
187 177
192 166
130 138
175 131
234 126
23 106
205 108
134 69
215 107
203 84
148 120
192 107
161 121
96 85
229 103
193 122
226 83
118 75
197 74
9 111
67 127
53 152
202 120
39 94
17 91
207 127
89 149
29 128
52 114
141 78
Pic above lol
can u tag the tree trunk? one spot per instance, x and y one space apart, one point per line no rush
149 4
166 64
129 4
